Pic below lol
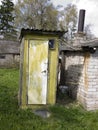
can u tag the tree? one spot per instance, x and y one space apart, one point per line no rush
37 14
88 32
69 17
6 17
68 20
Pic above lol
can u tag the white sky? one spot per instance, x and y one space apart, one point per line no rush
91 16
91 7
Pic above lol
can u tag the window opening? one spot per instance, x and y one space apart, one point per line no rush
51 44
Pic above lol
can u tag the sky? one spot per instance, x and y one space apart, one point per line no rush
91 7
91 15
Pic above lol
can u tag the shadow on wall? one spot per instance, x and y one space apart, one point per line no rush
62 75
72 76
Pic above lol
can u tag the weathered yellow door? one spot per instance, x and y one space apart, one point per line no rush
38 66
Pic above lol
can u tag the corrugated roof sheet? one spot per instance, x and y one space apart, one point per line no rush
41 32
90 43
68 46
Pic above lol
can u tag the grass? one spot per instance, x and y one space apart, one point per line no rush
63 117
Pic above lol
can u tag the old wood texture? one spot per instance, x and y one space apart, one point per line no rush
37 61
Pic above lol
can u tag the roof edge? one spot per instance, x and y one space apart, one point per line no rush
42 32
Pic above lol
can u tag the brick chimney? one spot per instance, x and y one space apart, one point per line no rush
80 35
81 21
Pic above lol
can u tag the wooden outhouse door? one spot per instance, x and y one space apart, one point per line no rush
38 71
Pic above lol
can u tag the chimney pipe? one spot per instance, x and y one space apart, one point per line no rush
81 20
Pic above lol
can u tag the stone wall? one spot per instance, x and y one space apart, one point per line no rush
9 53
73 71
9 60
81 71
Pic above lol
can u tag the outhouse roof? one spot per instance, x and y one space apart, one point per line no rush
41 32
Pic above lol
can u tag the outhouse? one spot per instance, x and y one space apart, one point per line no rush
38 67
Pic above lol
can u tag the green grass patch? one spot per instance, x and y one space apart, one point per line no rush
63 117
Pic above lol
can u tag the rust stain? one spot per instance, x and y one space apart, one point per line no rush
86 63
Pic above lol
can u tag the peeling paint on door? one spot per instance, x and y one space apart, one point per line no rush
38 66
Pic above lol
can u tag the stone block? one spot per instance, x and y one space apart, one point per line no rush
92 90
